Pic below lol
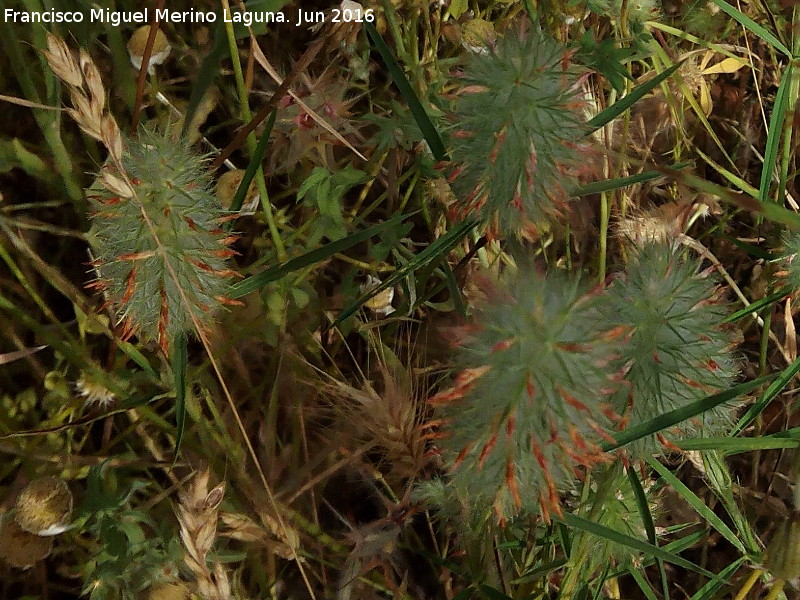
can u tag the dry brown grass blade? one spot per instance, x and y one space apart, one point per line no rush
27 103
12 356
789 331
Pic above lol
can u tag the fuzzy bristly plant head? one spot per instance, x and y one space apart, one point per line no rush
529 410
791 243
516 147
160 249
678 351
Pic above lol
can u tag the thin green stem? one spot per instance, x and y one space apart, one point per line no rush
246 116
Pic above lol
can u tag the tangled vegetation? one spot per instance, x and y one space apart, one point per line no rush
415 300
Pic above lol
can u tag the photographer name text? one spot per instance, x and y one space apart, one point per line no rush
117 18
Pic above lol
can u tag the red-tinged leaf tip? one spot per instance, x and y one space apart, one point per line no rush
230 239
130 286
133 256
228 273
615 333
224 253
229 301
162 322
498 511
537 452
510 426
511 482
572 400
667 444
571 347
445 397
201 265
503 345
529 387
543 510
462 454
126 329
454 175
487 448
499 139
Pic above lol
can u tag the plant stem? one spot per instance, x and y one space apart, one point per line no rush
246 116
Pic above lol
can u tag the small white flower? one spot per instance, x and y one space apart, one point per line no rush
94 393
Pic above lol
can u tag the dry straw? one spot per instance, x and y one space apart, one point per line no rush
198 512
87 95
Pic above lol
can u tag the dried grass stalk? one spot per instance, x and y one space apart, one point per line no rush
87 94
197 512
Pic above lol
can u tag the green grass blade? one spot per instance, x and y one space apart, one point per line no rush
775 388
738 444
696 503
729 175
540 571
672 417
133 353
609 185
625 540
720 481
774 135
252 167
643 584
679 545
649 526
752 26
455 293
769 210
493 594
709 590
623 104
758 305
209 68
258 281
420 116
751 249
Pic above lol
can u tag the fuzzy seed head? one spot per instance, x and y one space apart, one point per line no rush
527 410
94 393
228 184
782 557
20 548
791 243
44 506
518 124
138 43
161 252
678 351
